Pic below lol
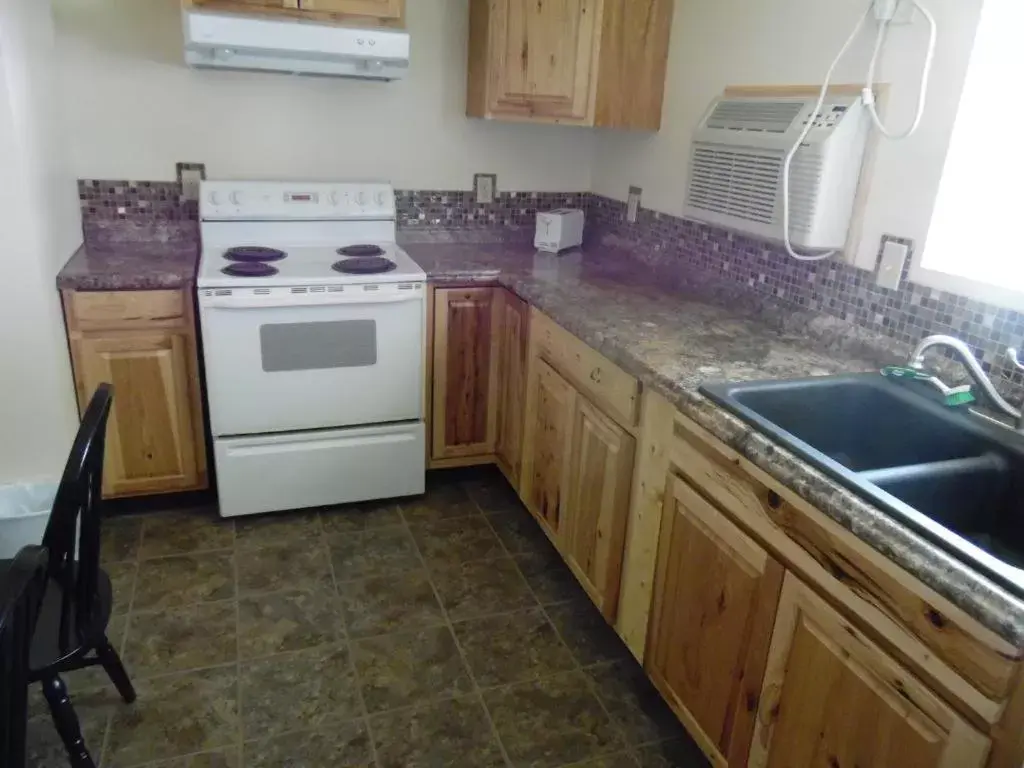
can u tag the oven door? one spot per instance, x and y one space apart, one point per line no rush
283 361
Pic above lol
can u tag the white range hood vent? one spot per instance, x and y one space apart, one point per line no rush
295 47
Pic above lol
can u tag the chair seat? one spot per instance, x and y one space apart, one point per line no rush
45 641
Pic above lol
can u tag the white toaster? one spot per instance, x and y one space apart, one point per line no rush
559 229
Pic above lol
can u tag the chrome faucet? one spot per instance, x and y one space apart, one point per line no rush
965 356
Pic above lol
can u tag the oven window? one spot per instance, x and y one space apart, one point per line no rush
315 346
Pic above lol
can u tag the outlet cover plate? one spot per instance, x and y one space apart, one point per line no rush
189 176
633 204
891 261
485 187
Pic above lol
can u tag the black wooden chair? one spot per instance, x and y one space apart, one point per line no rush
72 626
21 595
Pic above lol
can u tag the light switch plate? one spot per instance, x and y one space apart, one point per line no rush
189 176
485 185
633 204
891 263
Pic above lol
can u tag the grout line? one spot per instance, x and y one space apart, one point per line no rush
240 736
477 692
325 542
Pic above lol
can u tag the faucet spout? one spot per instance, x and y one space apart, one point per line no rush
964 355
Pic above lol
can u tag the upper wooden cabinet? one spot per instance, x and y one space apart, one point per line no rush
464 418
511 338
583 62
832 697
715 593
384 13
144 344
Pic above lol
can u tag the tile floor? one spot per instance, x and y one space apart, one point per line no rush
437 631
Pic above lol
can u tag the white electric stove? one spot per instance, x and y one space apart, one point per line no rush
313 324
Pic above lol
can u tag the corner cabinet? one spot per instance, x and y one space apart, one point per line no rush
144 344
384 13
832 697
583 62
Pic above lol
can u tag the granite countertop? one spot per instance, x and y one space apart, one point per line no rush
124 256
675 331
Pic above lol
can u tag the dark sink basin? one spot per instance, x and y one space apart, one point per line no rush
951 476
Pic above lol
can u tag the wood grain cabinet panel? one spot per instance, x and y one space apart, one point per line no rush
465 373
384 13
152 436
512 350
389 10
715 593
547 443
593 527
832 698
583 62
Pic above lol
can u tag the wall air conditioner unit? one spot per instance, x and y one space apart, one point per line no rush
736 167
295 47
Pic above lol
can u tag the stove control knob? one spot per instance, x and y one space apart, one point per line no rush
361 199
381 199
237 198
333 198
215 198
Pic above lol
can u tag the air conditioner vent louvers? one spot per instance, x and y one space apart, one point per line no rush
737 183
770 116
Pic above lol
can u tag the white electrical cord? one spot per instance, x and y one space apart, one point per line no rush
922 98
868 95
787 164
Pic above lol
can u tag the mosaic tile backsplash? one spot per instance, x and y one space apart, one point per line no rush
906 314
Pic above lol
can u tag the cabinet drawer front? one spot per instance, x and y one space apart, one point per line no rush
94 310
941 642
614 390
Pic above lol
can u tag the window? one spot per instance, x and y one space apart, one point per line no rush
975 243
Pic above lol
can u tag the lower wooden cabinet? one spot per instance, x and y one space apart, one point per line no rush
465 391
512 340
715 594
592 532
831 697
144 344
547 436
389 13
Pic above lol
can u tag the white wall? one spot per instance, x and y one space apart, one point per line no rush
134 109
40 228
716 43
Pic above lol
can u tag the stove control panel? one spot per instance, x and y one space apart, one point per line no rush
294 201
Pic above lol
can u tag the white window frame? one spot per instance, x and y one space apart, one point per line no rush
1011 298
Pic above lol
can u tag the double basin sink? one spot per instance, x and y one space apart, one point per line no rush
948 474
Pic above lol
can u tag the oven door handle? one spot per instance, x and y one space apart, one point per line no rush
314 300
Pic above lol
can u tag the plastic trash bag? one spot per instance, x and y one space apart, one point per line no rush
24 510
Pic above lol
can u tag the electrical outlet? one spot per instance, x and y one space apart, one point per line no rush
633 204
485 185
189 176
890 263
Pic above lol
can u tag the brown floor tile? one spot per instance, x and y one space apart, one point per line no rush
175 715
473 590
682 753
551 722
441 502
512 648
44 748
492 492
620 760
519 532
122 581
454 732
549 577
384 604
288 621
120 538
299 690
185 579
409 667
222 758
179 639
457 540
375 552
288 567
286 528
360 517
182 532
634 705
337 745
587 634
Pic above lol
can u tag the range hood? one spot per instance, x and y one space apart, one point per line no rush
295 47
